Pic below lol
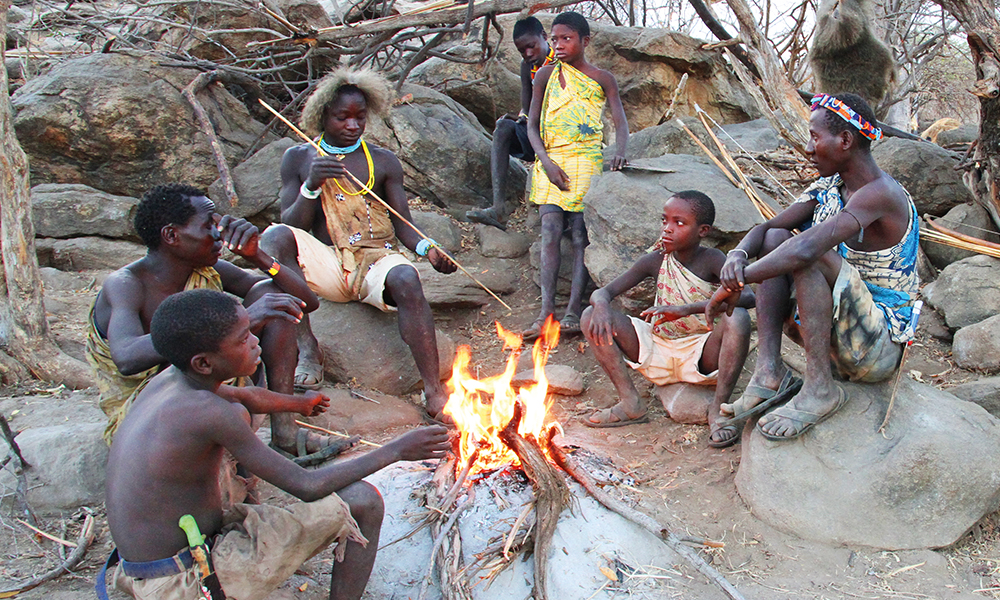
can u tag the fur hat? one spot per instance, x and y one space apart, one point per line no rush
376 89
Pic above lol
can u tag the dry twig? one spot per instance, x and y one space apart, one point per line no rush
82 543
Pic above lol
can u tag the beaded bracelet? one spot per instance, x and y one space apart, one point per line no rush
308 193
424 246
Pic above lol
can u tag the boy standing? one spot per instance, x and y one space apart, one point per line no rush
344 243
674 343
510 138
565 129
165 460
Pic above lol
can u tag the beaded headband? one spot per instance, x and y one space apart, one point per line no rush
846 113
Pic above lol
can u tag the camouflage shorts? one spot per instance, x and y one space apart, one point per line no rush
860 344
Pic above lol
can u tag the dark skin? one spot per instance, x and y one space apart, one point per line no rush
130 296
344 122
569 47
164 463
810 261
533 49
612 336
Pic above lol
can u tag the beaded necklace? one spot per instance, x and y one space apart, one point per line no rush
371 167
331 149
549 59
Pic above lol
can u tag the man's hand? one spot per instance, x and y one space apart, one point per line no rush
314 404
440 261
323 168
274 306
422 444
666 312
731 275
556 175
721 300
617 162
600 329
239 235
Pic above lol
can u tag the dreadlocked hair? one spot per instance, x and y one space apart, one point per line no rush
374 87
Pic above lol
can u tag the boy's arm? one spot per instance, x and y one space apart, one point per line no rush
131 347
296 210
600 300
610 86
395 196
554 172
230 430
262 401
525 88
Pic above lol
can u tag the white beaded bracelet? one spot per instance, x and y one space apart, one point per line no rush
308 193
424 246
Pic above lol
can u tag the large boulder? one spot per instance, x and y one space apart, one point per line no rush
458 290
977 346
67 466
444 150
967 291
257 181
985 392
623 230
67 210
969 219
502 244
925 483
87 253
488 90
926 171
439 228
118 123
668 138
752 136
362 343
648 63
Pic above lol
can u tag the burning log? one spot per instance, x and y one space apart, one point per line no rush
645 521
551 494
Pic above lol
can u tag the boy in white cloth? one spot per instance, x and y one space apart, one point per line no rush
672 342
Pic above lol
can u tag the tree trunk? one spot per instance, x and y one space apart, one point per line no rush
980 21
24 332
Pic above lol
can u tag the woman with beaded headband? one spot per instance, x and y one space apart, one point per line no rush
844 287
346 244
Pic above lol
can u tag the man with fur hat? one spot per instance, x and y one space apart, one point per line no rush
345 242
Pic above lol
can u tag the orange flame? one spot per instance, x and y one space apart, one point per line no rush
482 408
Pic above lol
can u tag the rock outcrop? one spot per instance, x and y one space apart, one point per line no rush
968 219
118 123
926 171
444 150
361 343
923 485
257 181
977 346
967 291
74 210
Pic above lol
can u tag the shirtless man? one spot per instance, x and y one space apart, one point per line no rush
853 265
344 243
510 138
165 461
184 237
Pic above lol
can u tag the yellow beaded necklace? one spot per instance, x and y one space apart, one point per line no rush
371 169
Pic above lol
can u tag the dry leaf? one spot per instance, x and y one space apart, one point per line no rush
609 574
304 586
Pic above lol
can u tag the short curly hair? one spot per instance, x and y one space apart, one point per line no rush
701 205
163 205
836 124
374 87
192 322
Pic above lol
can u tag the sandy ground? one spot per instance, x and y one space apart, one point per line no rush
668 469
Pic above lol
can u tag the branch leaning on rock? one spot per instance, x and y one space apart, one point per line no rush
387 206
190 94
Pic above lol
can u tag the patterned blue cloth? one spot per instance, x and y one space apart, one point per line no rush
890 274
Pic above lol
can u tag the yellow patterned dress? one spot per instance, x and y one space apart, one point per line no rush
572 131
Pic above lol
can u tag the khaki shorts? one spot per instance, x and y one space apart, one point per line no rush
664 361
860 343
260 547
324 272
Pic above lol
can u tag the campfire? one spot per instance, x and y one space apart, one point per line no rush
482 409
500 430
